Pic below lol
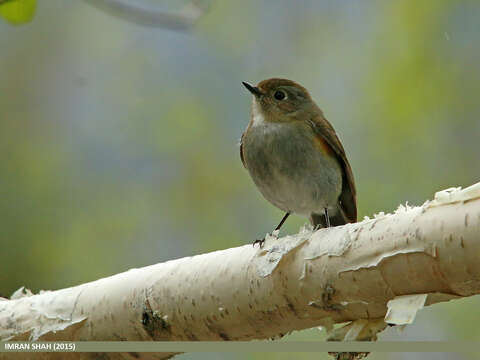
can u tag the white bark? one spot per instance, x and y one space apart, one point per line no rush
312 278
134 12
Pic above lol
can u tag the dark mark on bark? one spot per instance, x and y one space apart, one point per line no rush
157 327
291 307
224 336
276 337
217 331
190 336
348 355
418 234
327 298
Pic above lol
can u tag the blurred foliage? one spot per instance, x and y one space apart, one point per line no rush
18 12
118 144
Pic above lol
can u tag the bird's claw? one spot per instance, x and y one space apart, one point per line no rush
260 242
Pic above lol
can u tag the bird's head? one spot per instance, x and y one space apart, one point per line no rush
280 100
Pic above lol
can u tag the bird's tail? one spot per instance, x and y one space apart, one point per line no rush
336 219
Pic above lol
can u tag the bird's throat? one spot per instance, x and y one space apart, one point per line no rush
258 118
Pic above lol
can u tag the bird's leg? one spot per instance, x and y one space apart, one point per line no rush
261 241
285 217
327 218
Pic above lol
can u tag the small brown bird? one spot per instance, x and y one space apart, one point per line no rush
295 157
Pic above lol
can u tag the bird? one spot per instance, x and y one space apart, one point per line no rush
295 157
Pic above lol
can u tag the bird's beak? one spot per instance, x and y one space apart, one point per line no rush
253 89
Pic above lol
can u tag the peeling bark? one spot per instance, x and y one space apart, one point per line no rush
310 279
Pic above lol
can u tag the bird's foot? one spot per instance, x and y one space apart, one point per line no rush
260 242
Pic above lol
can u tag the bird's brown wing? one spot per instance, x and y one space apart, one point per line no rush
241 151
348 197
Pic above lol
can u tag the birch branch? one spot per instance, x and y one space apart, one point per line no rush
381 268
134 12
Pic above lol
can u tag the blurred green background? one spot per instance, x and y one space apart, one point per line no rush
119 143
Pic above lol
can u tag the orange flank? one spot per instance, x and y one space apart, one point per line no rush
322 145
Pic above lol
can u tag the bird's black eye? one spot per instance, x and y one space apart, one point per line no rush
279 95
